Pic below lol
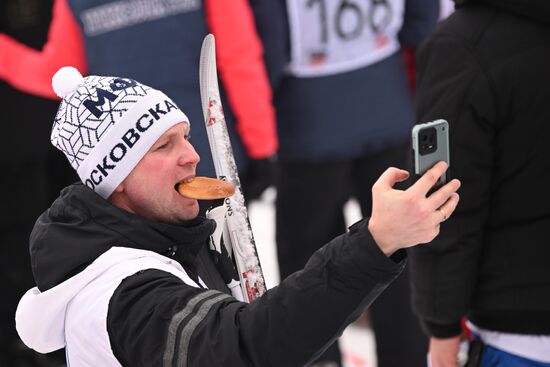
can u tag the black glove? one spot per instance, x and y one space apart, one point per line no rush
259 175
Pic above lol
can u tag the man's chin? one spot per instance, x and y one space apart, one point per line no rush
190 212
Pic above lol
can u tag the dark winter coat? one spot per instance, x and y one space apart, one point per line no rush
486 71
288 326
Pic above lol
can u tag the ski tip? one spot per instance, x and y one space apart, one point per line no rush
208 42
209 37
207 70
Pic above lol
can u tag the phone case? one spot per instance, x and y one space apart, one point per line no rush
424 160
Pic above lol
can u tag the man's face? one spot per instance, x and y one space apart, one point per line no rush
149 191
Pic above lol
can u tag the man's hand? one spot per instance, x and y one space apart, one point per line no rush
444 352
403 219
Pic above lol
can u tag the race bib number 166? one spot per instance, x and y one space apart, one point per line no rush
335 36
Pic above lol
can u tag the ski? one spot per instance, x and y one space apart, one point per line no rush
237 223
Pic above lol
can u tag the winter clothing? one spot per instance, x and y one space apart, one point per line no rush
127 291
158 43
494 357
105 125
483 70
322 189
344 114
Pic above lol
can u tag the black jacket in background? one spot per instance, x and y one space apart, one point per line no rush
486 70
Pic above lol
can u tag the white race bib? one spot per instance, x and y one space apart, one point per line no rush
335 36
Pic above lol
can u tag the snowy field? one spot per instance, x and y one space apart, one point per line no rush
357 343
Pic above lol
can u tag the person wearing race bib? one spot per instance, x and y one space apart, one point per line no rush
344 112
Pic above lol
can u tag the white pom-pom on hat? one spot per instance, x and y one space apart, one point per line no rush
66 80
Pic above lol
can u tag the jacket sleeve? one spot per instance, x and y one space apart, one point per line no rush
453 85
239 58
30 70
271 20
154 319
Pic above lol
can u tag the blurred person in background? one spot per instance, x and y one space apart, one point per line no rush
32 175
485 70
159 44
344 113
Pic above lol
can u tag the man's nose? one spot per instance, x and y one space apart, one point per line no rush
188 155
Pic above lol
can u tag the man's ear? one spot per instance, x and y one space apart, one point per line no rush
118 198
120 188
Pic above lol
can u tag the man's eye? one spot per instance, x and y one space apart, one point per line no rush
163 146
188 136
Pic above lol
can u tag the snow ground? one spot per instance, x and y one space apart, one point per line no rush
357 343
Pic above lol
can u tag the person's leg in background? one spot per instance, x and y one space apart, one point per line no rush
310 198
399 339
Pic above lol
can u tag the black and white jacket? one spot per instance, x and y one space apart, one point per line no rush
116 289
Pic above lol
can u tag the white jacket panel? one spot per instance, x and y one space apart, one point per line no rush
74 313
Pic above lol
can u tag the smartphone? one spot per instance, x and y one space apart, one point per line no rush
430 142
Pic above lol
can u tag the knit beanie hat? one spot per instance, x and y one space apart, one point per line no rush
105 125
